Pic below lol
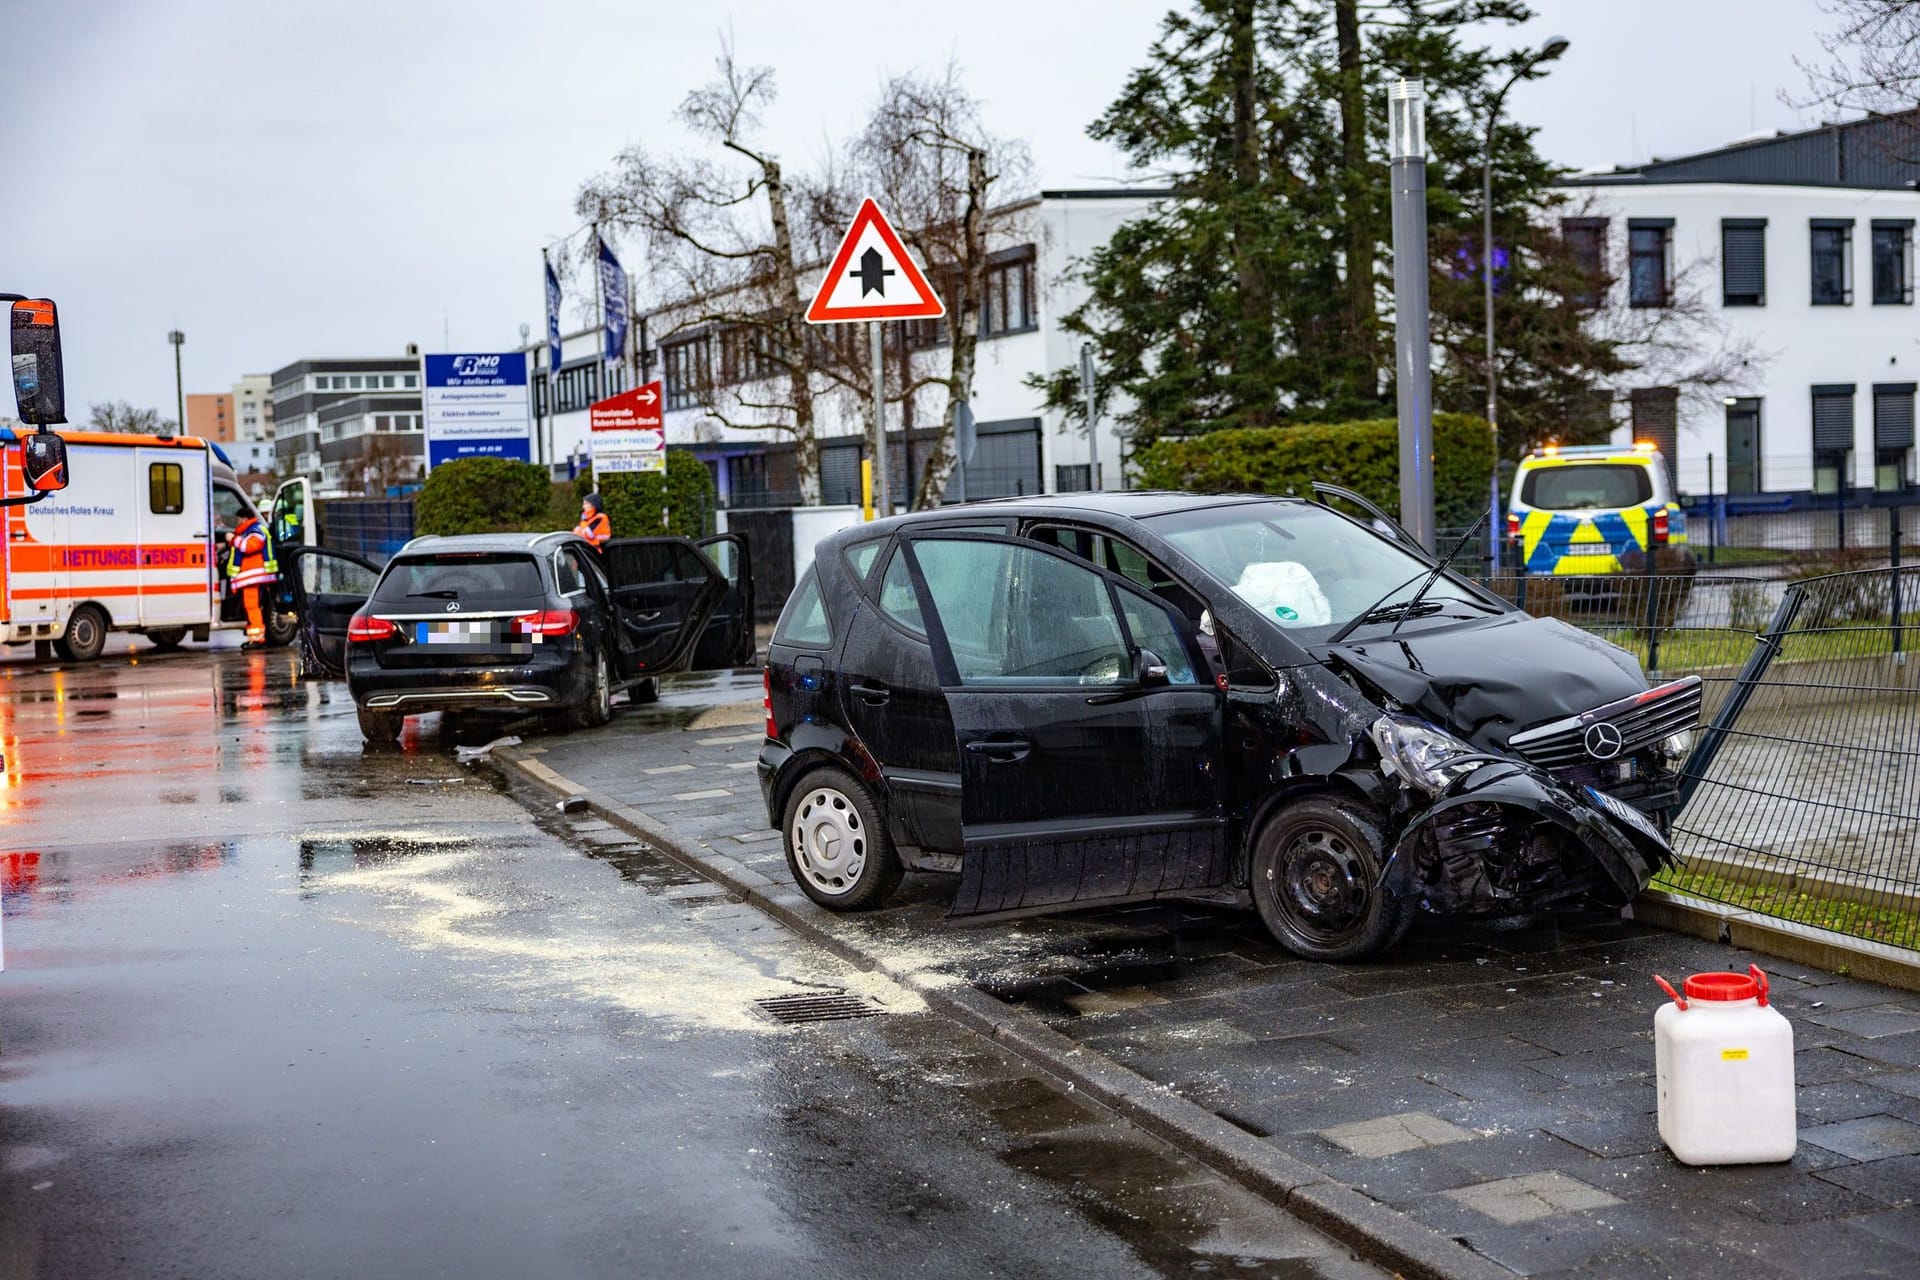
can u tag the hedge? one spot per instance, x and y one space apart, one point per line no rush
634 501
1362 456
483 495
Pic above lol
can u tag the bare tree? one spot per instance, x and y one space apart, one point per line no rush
721 240
1872 60
122 416
387 462
929 159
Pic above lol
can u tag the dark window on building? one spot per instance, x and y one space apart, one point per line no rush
1587 244
840 472
1649 262
1832 435
1009 303
539 395
687 373
1077 478
1743 262
166 491
747 354
747 480
1832 251
1893 261
1892 436
576 387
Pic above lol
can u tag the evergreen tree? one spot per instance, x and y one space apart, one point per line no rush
1260 293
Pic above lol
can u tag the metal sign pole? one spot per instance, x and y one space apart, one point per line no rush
1407 127
883 495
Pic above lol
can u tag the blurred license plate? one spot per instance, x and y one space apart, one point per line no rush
1627 816
465 631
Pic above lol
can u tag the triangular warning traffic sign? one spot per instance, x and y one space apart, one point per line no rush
873 277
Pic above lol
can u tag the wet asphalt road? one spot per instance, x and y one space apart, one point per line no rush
275 1005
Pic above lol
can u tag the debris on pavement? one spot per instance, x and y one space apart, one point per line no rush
467 755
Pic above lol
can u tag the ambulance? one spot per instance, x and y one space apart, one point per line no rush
136 542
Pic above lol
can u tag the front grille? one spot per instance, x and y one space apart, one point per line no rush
1639 722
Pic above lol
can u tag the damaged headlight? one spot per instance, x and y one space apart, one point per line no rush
1426 757
1674 747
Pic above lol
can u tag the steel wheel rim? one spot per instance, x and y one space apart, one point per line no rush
1319 884
84 630
829 841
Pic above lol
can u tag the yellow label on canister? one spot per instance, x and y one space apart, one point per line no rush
1733 1055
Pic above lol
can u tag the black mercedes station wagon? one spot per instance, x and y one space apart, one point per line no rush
1102 698
512 623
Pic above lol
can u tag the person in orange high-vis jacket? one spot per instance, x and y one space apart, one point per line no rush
594 525
250 571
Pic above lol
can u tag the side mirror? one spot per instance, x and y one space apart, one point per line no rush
39 387
1149 671
43 460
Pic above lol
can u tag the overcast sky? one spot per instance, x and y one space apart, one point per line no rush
295 178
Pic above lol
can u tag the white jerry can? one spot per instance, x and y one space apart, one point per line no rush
1723 1059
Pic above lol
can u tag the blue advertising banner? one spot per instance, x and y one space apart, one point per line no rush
613 303
477 406
553 316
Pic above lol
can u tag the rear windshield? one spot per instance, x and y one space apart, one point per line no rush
1572 486
417 584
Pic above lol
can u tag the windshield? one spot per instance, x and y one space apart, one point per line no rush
1304 568
426 584
1580 486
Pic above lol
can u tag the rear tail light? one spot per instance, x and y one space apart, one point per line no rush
1513 527
766 700
548 622
366 630
1660 527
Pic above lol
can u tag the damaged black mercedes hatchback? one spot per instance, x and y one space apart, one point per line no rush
1092 699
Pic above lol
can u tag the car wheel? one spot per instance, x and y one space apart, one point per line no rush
379 726
166 639
1316 881
837 843
645 692
85 636
597 707
281 628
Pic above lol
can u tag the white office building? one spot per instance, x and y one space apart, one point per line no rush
1801 244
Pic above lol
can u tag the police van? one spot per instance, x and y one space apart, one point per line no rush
1596 509
135 542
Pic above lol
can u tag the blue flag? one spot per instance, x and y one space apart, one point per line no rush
613 302
553 316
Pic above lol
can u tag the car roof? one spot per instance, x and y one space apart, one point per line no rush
483 542
1132 504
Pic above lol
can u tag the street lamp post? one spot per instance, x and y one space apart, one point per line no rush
1553 48
178 338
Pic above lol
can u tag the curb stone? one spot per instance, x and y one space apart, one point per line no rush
1372 1229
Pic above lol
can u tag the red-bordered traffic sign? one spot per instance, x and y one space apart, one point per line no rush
873 277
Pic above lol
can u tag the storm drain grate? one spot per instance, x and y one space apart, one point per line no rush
817 1006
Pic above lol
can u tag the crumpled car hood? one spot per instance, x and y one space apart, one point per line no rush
1487 680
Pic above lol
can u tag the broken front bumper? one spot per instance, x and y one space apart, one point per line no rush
1508 837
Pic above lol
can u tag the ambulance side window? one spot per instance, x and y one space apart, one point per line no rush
166 488
228 507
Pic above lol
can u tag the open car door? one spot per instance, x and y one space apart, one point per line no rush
1089 733
328 588
665 592
727 640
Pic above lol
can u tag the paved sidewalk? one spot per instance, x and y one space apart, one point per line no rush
1494 1086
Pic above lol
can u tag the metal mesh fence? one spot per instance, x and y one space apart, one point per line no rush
1802 796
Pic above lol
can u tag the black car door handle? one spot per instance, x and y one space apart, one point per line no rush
1004 750
872 694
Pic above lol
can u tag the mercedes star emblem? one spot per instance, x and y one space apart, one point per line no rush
1603 741
453 606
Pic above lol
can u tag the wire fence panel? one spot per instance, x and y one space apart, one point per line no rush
1803 792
